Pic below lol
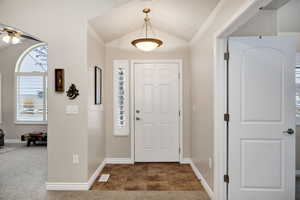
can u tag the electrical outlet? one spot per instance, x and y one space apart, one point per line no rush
75 159
210 163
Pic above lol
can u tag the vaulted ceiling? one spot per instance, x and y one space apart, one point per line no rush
180 18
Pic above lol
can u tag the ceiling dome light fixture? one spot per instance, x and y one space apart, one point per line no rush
11 36
147 44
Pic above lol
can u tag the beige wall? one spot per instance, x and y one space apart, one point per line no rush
264 23
288 17
119 147
96 132
63 25
8 59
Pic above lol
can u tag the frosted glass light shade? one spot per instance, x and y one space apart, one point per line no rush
15 40
6 38
11 39
147 44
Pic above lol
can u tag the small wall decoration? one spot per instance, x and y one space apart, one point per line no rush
59 80
98 85
72 92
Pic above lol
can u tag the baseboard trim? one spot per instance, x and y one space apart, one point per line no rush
119 161
297 172
13 141
58 186
96 174
203 181
186 161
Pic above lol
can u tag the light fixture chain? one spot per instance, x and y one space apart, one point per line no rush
152 30
146 29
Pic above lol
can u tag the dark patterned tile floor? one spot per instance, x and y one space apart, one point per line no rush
149 176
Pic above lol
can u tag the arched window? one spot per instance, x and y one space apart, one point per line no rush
31 85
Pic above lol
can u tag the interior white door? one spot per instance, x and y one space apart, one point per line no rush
262 109
156 112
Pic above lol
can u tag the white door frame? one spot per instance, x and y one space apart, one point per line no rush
246 12
132 104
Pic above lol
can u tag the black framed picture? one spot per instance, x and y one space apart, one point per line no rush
59 80
98 85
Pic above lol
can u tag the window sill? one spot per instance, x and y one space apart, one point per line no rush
31 123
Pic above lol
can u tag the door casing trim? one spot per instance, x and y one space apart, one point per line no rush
248 10
132 104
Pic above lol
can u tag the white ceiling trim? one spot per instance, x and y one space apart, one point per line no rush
94 34
208 22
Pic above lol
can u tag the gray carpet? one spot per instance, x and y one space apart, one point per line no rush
23 172
6 149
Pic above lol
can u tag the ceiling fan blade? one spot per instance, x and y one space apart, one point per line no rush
30 38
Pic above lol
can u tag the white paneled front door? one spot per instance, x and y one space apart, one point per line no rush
262 118
156 112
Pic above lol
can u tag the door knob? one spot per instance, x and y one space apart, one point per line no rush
289 131
137 118
137 111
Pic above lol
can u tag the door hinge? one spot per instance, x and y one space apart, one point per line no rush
226 117
179 113
226 56
179 150
226 178
178 76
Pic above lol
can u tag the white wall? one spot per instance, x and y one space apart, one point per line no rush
63 25
96 131
173 48
8 59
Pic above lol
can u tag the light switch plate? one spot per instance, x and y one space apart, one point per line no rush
72 109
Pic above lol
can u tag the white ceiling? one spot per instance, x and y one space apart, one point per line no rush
180 18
